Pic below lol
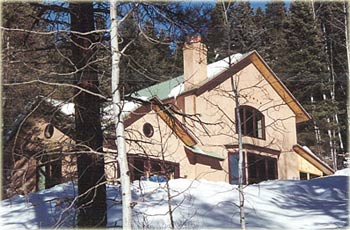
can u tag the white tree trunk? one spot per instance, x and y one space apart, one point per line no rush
240 160
119 123
347 35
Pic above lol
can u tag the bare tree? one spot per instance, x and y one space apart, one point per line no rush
120 137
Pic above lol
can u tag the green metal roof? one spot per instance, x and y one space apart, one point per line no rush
161 90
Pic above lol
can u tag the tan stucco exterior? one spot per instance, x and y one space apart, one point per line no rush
205 136
216 128
308 168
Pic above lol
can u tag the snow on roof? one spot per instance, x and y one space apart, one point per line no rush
174 87
167 89
197 204
309 151
214 69
127 108
65 107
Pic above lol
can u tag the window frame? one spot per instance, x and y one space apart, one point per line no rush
244 125
148 167
264 162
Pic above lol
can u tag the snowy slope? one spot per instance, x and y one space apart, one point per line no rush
316 204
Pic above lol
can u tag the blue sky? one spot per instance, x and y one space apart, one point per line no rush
256 4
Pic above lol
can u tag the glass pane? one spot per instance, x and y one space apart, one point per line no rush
233 164
261 168
312 176
249 122
271 169
252 169
303 176
259 125
138 169
241 115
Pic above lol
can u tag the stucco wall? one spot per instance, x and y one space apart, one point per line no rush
307 167
215 109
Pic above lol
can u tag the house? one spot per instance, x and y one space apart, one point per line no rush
187 127
36 152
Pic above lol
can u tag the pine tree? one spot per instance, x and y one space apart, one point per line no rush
305 72
331 16
140 70
243 29
259 21
274 42
91 178
218 38
232 29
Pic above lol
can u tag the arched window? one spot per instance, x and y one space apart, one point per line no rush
252 122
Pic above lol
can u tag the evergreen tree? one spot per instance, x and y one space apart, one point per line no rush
243 29
140 70
232 29
305 72
331 16
274 42
88 133
259 21
218 39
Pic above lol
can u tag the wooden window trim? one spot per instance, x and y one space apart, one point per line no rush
255 113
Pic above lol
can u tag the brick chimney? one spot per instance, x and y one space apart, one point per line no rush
195 62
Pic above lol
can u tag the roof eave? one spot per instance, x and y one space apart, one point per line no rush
300 113
318 163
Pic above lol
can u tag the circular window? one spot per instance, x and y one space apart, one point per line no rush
49 129
148 130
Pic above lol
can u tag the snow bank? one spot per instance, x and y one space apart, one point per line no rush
316 204
343 172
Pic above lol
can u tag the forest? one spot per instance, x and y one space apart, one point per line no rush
57 50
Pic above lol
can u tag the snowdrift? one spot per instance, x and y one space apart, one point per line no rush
321 203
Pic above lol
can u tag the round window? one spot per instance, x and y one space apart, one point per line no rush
148 130
49 129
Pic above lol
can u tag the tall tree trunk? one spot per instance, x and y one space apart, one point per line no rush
241 165
91 179
119 123
347 35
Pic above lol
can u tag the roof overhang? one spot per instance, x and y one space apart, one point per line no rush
279 87
196 150
301 115
255 59
175 125
313 159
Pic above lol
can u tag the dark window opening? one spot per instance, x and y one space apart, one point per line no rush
49 130
313 176
233 168
138 168
303 176
252 122
148 130
49 174
143 168
261 168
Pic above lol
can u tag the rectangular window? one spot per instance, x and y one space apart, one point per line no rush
313 176
261 168
233 164
142 168
303 176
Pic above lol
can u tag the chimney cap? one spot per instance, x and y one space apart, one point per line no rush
193 39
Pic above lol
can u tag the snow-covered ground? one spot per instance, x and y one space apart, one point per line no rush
321 203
